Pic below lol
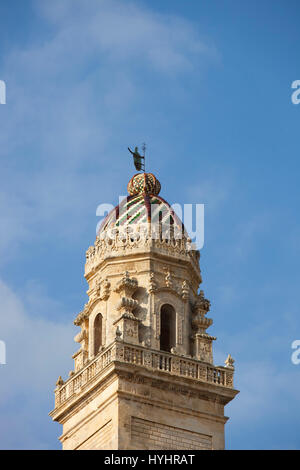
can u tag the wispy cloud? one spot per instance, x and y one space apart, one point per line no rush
38 350
72 94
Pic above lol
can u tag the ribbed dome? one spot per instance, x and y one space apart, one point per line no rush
142 207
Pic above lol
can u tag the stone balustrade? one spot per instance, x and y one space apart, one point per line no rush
149 358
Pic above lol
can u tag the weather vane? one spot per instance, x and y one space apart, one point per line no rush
138 159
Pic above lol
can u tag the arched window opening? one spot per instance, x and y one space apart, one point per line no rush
167 328
97 333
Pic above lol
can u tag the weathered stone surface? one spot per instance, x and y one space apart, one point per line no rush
125 391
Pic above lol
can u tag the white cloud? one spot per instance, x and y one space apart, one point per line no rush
38 350
128 31
72 97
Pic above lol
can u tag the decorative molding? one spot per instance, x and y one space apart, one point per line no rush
127 285
105 289
185 291
152 283
180 330
124 244
155 360
168 278
229 362
200 323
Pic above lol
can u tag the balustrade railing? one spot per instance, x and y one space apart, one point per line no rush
157 360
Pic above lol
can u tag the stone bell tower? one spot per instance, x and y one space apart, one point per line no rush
144 376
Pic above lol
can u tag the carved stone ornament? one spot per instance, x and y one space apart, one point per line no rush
105 289
59 381
168 279
152 283
82 316
80 336
201 304
185 290
127 305
118 333
200 323
229 362
127 285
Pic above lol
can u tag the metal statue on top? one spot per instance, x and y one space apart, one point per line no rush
138 159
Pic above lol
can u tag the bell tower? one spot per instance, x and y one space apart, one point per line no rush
144 376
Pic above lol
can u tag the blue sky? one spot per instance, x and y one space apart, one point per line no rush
208 86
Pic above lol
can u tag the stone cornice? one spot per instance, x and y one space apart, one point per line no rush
119 248
147 362
144 377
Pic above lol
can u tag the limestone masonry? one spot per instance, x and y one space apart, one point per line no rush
144 376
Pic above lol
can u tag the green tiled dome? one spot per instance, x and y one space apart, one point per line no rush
142 203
